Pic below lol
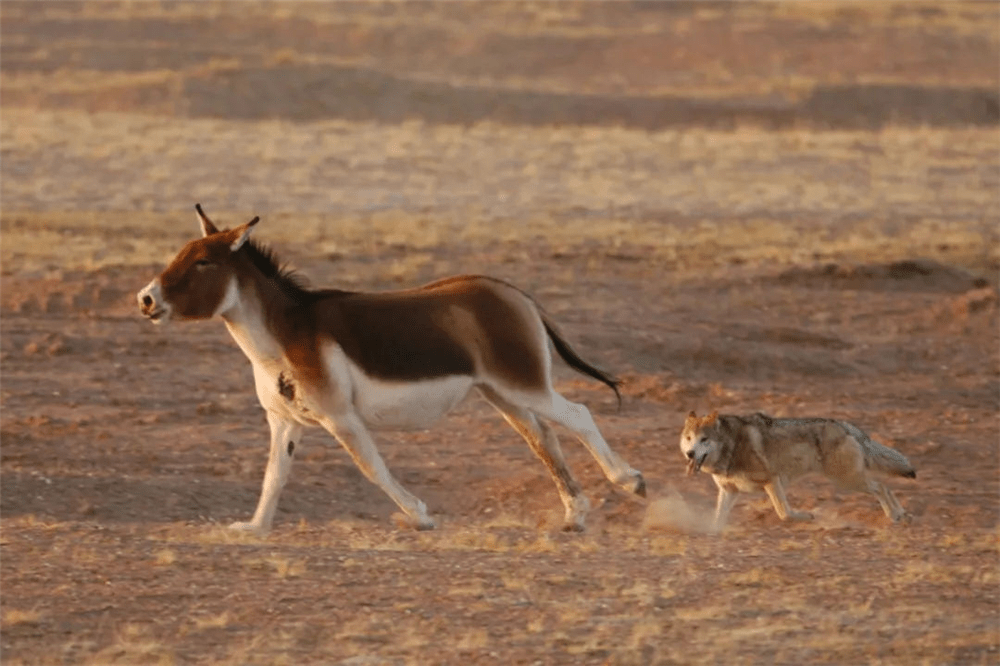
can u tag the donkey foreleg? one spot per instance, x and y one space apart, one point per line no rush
285 435
354 437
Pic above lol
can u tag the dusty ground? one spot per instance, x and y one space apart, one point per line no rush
811 266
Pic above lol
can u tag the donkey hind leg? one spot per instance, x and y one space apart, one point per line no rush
542 440
354 437
285 435
577 419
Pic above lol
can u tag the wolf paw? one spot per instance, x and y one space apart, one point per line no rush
799 515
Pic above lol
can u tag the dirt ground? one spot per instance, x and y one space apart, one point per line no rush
817 264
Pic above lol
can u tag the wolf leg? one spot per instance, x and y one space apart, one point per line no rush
723 505
890 505
285 434
776 492
542 440
853 476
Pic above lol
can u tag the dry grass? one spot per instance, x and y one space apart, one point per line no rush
165 557
695 199
642 604
15 616
217 621
362 202
135 644
361 28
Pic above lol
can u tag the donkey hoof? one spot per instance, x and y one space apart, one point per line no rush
422 524
640 486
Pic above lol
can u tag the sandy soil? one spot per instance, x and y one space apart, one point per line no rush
800 271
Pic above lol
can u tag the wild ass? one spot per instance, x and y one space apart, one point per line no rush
354 361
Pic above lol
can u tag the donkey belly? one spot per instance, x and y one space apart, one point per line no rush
404 405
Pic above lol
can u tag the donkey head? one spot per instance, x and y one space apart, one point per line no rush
201 280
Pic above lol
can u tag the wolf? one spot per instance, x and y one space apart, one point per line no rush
760 452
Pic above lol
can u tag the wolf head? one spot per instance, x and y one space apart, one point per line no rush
698 441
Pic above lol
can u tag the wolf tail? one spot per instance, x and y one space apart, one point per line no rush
881 457
574 360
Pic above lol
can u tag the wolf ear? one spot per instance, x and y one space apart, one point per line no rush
710 419
207 228
243 234
691 417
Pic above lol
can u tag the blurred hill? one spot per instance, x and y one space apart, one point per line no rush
646 64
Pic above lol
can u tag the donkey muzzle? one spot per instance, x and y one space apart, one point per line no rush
151 304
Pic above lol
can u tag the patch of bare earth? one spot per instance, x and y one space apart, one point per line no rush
799 271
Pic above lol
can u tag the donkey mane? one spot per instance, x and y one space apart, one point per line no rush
288 281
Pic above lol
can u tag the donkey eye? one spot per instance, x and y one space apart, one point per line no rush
202 263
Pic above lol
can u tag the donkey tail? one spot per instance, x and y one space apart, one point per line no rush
575 361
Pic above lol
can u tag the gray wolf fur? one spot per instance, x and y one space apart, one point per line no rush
759 452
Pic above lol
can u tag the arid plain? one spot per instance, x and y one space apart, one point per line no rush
790 208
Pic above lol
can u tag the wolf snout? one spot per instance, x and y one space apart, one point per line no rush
694 462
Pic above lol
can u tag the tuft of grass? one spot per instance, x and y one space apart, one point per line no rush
700 612
135 645
165 557
939 573
210 535
220 621
16 616
755 577
283 567
473 638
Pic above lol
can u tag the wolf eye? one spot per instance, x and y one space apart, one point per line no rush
703 440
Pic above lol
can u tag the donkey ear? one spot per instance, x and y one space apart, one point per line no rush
207 228
243 234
